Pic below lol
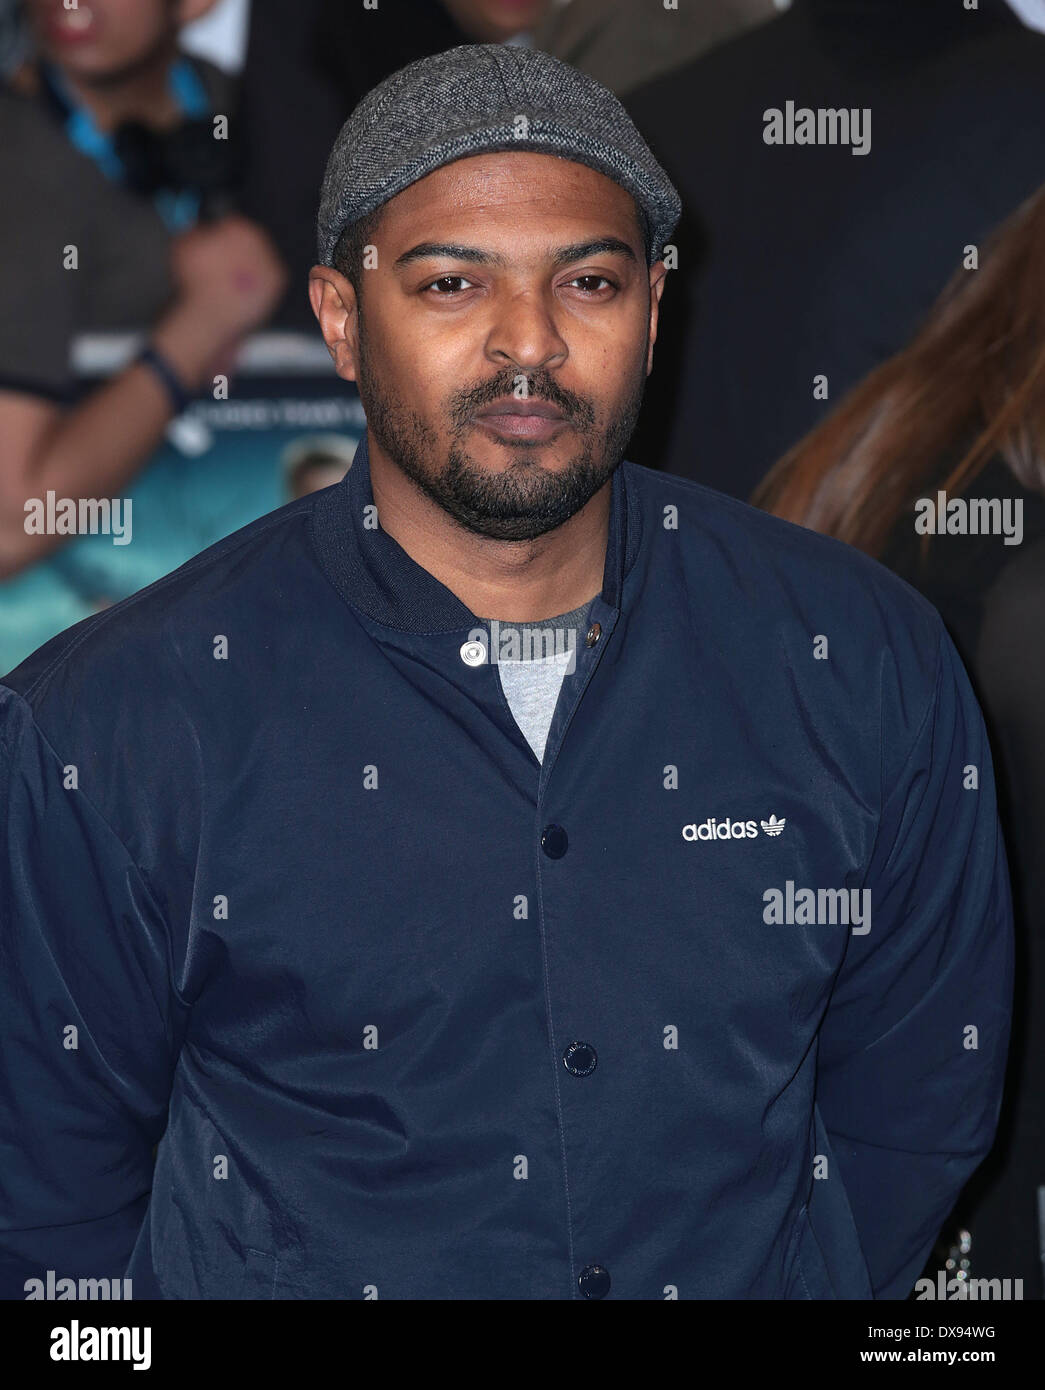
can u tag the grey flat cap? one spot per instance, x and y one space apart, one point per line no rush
473 100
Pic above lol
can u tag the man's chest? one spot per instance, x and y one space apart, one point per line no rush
399 861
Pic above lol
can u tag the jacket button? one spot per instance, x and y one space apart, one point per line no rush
473 654
580 1059
554 841
594 1281
594 633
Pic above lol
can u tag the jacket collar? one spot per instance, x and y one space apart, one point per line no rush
374 574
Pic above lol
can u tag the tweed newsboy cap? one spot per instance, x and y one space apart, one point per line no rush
475 99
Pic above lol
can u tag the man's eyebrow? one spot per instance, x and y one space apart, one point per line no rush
475 255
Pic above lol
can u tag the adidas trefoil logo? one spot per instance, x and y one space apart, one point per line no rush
772 826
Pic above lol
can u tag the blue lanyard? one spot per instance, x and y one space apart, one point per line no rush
179 209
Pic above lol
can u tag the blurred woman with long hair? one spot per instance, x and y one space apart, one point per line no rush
961 411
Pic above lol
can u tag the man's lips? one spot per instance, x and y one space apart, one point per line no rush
512 418
512 405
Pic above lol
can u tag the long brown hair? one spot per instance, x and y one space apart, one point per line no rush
971 382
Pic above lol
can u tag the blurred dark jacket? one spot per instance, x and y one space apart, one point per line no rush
801 260
291 110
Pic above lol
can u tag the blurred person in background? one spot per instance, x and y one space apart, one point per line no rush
109 156
961 411
797 260
623 43
498 21
360 47
290 110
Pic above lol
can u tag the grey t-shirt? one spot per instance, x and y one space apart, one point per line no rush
533 659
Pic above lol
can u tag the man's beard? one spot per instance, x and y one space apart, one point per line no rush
525 500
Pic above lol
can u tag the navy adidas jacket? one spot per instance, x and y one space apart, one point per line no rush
285 892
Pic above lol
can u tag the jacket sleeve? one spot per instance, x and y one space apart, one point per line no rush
88 1019
913 1045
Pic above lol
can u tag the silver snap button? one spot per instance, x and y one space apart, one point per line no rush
473 653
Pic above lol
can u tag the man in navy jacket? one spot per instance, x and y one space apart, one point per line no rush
674 963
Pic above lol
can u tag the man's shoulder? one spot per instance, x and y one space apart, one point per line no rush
780 567
144 636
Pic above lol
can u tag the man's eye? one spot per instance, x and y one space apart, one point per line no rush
590 283
450 284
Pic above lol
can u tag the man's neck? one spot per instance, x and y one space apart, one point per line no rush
140 93
516 581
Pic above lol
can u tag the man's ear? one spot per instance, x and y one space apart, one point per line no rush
333 299
658 279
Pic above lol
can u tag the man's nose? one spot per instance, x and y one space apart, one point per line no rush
524 331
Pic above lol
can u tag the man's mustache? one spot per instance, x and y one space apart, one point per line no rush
539 387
